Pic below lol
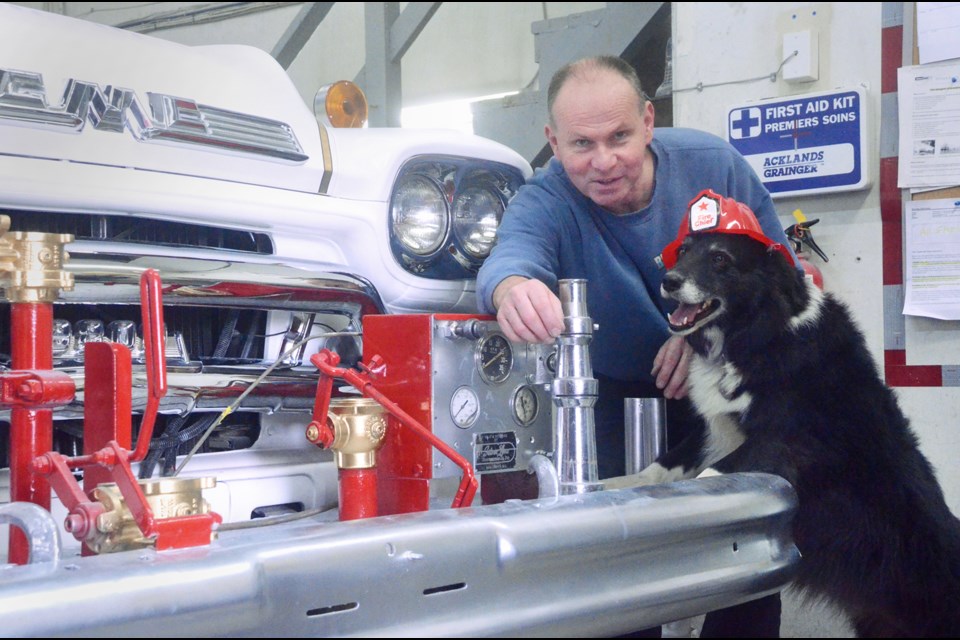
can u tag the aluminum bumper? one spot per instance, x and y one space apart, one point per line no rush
596 564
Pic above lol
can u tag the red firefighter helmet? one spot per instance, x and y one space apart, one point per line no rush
710 212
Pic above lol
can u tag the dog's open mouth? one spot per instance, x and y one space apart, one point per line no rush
687 318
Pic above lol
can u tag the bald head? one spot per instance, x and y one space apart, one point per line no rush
586 68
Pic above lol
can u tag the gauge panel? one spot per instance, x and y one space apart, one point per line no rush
490 397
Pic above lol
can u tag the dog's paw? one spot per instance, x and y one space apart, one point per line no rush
625 482
654 474
709 472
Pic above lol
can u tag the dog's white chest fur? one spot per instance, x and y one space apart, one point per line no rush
714 385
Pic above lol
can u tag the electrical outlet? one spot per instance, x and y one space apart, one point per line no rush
805 65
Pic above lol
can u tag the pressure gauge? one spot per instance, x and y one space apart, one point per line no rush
525 405
464 407
494 358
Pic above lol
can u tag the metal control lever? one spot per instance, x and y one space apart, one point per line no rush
574 392
472 329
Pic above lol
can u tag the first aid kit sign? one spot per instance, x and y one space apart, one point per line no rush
807 144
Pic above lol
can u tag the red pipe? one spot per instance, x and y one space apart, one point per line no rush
358 494
31 430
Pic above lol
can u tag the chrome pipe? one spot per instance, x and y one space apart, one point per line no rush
574 392
645 421
547 480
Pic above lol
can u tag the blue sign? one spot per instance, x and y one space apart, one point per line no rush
804 144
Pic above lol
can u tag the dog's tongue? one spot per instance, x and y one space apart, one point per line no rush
683 315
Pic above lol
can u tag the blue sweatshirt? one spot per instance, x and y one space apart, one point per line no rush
550 231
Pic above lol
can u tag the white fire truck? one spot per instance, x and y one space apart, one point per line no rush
245 390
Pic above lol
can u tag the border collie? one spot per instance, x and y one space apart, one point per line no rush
786 385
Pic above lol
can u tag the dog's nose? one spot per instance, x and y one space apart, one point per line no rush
672 281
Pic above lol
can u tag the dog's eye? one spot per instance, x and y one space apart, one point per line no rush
681 251
719 259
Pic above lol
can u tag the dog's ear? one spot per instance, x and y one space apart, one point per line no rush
777 257
789 280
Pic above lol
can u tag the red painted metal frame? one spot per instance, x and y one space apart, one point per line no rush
107 405
107 408
31 430
404 462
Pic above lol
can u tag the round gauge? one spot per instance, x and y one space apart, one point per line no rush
494 358
525 405
464 407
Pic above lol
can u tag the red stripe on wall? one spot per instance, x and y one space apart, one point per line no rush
891 49
896 371
894 358
915 376
892 223
898 374
890 199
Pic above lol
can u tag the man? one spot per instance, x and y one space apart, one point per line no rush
602 209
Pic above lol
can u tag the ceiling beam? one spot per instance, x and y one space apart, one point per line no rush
292 41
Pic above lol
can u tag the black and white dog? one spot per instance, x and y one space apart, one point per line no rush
786 384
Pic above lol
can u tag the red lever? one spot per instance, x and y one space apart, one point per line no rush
151 309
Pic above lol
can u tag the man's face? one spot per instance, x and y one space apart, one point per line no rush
600 136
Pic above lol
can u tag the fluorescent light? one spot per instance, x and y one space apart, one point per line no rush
453 114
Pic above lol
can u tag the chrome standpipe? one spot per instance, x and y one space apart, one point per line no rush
574 393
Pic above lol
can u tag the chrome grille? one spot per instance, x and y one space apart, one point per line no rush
127 229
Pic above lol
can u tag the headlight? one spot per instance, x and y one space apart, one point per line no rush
419 215
444 214
476 215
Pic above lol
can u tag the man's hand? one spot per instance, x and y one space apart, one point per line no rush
671 367
527 310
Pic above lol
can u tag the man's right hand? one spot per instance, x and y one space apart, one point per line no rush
527 310
671 367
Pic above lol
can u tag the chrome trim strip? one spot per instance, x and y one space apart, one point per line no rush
170 119
115 279
327 160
